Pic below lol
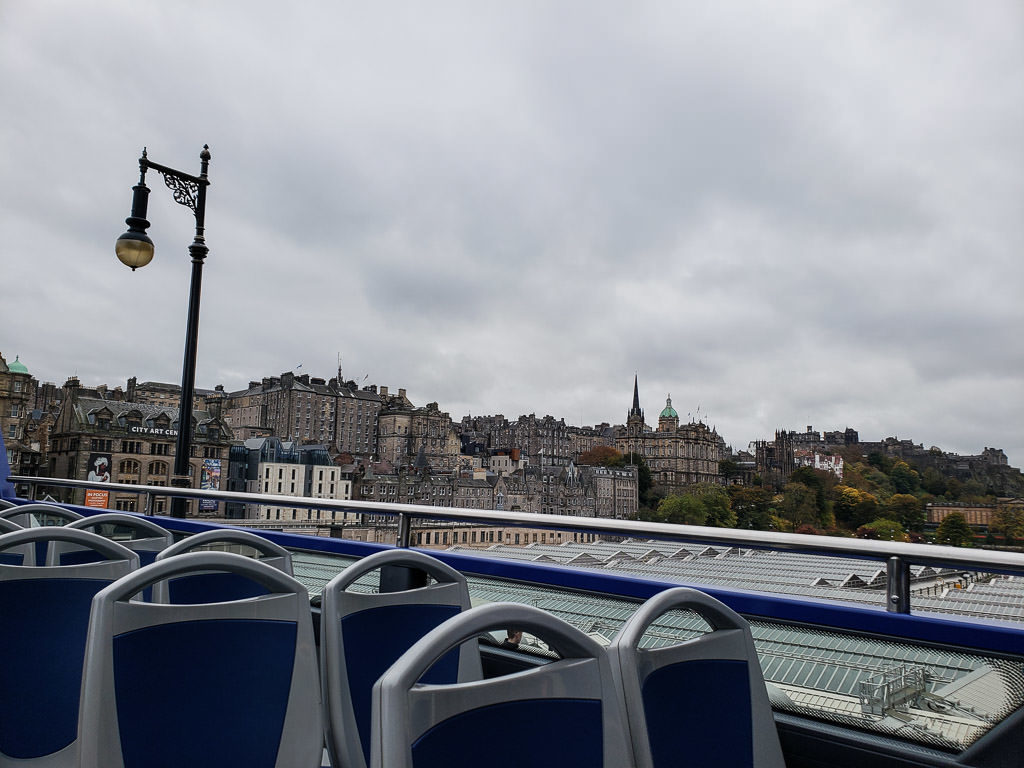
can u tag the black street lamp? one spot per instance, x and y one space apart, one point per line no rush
135 249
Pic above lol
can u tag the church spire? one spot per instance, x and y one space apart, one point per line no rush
635 410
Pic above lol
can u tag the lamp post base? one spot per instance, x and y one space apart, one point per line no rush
180 506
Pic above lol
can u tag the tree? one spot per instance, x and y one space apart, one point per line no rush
798 505
685 509
933 482
729 469
853 507
954 531
717 508
904 479
879 461
907 509
601 456
813 479
752 507
882 529
953 488
1008 522
973 492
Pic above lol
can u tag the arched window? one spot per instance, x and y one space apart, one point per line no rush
128 467
158 467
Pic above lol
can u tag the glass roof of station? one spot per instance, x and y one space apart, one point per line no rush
954 697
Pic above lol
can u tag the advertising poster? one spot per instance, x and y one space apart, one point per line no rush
99 468
97 498
209 480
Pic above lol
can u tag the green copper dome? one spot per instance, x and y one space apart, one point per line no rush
17 367
669 412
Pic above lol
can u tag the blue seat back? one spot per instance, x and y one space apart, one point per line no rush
220 586
565 713
362 634
23 555
45 615
704 698
203 685
143 536
39 516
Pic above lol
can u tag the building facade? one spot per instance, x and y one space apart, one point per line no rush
309 410
677 455
275 467
102 437
407 435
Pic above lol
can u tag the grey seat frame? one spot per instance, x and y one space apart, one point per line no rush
120 562
404 710
730 639
273 555
155 538
114 612
450 588
13 513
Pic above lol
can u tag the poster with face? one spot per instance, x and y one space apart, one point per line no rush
99 467
209 480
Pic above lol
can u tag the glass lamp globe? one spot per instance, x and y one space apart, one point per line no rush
134 249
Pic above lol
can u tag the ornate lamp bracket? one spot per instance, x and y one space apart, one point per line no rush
185 191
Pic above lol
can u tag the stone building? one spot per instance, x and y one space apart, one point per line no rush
101 436
163 395
283 468
310 410
677 455
544 441
579 491
583 439
406 432
358 413
775 460
24 426
977 515
17 398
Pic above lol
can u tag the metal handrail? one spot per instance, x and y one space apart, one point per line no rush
898 556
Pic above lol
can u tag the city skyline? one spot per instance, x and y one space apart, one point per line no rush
651 418
802 214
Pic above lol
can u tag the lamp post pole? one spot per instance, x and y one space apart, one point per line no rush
135 249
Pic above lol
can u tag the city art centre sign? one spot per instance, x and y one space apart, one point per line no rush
158 431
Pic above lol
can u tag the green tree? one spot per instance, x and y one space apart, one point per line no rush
717 507
751 505
954 531
853 507
798 505
729 469
973 491
814 480
933 481
880 461
1008 523
682 509
904 478
907 509
883 529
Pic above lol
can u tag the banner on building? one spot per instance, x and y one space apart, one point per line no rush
209 480
94 497
99 468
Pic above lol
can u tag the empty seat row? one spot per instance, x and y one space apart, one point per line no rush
178 679
698 703
96 676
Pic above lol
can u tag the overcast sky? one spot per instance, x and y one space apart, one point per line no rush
783 213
